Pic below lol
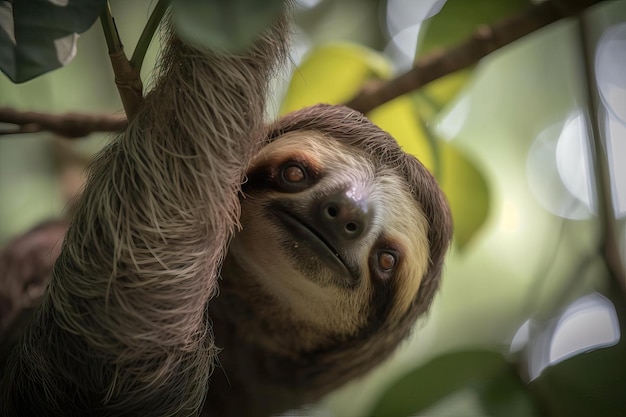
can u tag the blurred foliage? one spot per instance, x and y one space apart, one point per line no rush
223 24
590 384
467 191
333 74
486 372
586 384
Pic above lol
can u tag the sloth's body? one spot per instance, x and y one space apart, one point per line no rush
340 250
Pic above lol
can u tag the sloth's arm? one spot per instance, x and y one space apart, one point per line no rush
122 328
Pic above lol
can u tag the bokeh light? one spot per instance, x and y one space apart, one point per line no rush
587 324
558 169
610 66
403 23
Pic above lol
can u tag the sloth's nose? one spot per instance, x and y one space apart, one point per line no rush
345 215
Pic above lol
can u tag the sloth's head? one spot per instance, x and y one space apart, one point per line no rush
343 234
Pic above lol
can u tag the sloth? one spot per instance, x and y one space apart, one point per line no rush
341 249
217 265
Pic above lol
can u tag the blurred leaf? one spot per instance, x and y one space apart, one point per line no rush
333 74
430 100
590 384
441 92
399 118
37 36
467 191
506 396
461 180
440 377
224 24
459 18
459 177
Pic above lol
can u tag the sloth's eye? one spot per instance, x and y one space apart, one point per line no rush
293 172
294 176
383 263
387 261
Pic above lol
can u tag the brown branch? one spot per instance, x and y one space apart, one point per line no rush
128 82
70 125
485 40
127 77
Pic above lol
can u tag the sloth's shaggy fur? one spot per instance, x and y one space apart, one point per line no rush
122 329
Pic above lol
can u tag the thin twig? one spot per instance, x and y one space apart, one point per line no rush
485 40
127 78
136 61
114 43
70 125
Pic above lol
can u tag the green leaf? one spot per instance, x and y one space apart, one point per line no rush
589 384
441 92
432 382
467 192
460 178
400 119
38 36
333 74
224 24
506 396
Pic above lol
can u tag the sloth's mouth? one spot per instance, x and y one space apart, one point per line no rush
311 237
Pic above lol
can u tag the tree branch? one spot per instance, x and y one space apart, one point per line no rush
70 125
485 40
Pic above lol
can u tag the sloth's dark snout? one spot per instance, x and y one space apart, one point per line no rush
343 216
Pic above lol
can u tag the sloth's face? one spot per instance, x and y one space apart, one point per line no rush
334 237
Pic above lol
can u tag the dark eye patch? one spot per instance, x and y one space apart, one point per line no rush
290 174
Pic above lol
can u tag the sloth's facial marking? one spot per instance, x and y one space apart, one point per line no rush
330 233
